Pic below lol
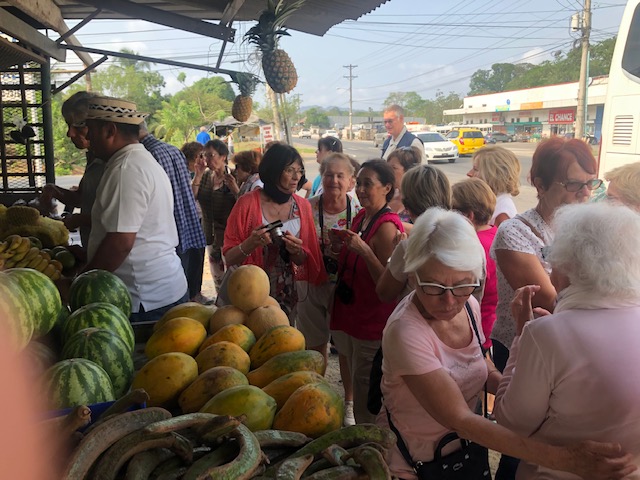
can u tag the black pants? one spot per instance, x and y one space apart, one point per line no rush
192 264
508 465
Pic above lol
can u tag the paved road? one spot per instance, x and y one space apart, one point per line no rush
363 151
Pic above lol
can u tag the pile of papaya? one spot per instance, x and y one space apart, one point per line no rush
150 443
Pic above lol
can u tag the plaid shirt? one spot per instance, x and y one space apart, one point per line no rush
173 161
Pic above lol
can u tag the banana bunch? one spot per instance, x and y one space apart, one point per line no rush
17 252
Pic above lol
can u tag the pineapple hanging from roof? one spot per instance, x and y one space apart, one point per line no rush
243 104
278 68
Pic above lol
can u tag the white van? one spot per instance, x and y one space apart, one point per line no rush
621 121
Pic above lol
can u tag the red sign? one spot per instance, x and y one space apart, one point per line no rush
561 115
267 133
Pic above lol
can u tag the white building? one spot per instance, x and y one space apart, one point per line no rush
536 112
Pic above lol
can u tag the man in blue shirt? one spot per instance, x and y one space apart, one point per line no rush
203 137
190 235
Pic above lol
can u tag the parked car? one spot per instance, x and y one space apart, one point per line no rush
379 138
495 137
468 140
304 133
330 133
437 147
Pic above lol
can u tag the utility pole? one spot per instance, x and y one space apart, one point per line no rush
350 77
581 113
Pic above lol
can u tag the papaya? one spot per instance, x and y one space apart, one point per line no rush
165 377
282 388
284 363
193 310
276 340
248 287
263 318
258 407
238 334
227 315
313 409
176 335
223 354
208 385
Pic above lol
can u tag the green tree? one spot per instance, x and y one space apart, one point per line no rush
496 79
397 98
316 116
177 121
132 80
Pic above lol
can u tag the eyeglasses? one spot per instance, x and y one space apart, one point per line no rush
436 289
294 171
389 120
577 186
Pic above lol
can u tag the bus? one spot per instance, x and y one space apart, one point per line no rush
620 143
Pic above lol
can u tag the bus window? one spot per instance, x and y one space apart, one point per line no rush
631 55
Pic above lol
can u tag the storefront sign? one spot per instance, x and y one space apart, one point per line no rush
525 113
495 117
267 133
562 116
530 106
502 108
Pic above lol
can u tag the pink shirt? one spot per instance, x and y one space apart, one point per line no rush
411 347
490 294
573 376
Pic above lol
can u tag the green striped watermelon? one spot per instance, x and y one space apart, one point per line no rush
42 295
100 315
15 313
99 286
107 350
77 381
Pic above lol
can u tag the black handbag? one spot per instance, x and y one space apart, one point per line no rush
470 462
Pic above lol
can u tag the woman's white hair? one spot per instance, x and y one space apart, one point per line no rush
596 247
448 237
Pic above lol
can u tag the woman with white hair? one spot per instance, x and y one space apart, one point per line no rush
434 370
574 374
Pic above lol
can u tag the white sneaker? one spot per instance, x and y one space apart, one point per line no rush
349 419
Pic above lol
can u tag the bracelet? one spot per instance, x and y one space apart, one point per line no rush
242 251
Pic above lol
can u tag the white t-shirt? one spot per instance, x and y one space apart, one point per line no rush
504 204
135 196
393 143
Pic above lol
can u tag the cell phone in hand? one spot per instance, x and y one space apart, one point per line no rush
341 234
226 170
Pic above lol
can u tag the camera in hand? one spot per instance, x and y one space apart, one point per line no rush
330 264
274 228
344 292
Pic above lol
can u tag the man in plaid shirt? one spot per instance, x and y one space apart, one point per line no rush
190 235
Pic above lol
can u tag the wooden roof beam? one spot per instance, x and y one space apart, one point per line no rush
162 17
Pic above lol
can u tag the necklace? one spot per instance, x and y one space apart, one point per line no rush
277 210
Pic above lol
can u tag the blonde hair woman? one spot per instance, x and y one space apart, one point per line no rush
500 168
624 185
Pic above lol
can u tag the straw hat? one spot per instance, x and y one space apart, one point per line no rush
109 109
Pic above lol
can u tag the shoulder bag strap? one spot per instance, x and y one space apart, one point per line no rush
467 305
400 443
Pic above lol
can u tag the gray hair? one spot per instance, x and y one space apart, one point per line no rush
75 108
337 158
596 247
395 108
448 237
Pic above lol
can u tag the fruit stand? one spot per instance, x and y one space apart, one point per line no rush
220 393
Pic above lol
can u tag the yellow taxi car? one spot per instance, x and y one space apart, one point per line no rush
468 140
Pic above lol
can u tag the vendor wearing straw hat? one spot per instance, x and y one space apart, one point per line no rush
133 230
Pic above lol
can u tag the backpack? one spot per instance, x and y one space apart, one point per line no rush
374 395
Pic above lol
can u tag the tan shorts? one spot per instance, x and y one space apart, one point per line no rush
314 310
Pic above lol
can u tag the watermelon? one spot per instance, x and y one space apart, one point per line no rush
100 315
77 381
15 312
43 297
99 286
106 349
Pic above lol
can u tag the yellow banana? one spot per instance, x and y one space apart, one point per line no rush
50 270
9 263
32 253
57 264
42 265
25 245
18 256
34 262
56 275
22 263
44 255
6 254
3 246
14 241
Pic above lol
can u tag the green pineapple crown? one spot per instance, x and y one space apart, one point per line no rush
247 82
270 25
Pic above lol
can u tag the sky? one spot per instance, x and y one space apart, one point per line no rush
404 45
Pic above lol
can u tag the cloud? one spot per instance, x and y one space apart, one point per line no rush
535 56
